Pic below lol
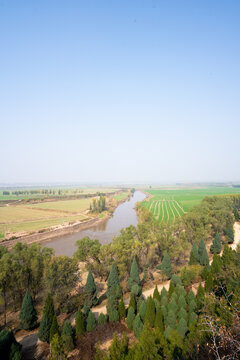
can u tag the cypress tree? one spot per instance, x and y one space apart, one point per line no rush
216 264
209 282
192 306
180 291
28 314
192 317
44 329
164 312
80 328
201 247
182 314
158 323
216 244
132 302
190 296
171 289
122 309
113 283
204 260
134 274
230 235
167 332
164 301
171 319
227 256
164 293
182 302
57 349
137 326
90 292
173 306
200 296
130 318
54 329
142 310
150 312
166 265
67 336
49 308
91 322
156 294
102 319
182 327
113 315
194 256
176 280
67 328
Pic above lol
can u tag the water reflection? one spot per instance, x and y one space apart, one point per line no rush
124 216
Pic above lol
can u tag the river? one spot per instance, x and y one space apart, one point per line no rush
123 216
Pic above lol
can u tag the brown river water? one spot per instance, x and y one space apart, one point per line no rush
124 216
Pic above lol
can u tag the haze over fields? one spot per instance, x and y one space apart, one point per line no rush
140 91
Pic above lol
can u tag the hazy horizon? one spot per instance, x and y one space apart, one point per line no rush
104 92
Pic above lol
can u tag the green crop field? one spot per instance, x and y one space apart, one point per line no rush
166 205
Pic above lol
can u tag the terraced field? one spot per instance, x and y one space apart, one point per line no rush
167 205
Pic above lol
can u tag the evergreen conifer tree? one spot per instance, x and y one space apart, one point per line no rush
173 306
176 280
216 244
91 322
182 302
90 292
164 293
156 294
166 265
113 283
201 247
200 297
44 329
190 296
142 310
80 328
113 315
150 312
216 264
164 312
137 326
158 323
130 318
227 256
67 328
182 327
194 256
67 336
192 306
182 314
132 302
49 308
28 314
192 317
57 349
102 319
54 329
209 282
171 319
164 301
204 260
134 274
171 289
122 309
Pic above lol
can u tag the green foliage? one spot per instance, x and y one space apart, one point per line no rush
192 306
182 327
173 305
200 297
132 302
49 308
90 292
209 282
137 326
91 322
190 296
88 250
216 264
182 302
164 293
228 232
166 265
118 349
134 274
164 301
113 315
57 349
113 283
176 280
171 289
204 260
158 323
194 255
122 309
216 244
67 342
142 310
28 314
130 318
102 319
80 327
171 319
156 294
182 314
164 312
54 329
67 329
150 312
192 318
44 329
9 347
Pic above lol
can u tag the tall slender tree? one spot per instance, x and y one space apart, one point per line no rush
28 314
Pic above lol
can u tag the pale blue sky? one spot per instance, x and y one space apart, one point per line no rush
134 91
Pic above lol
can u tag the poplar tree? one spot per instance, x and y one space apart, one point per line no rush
166 266
150 312
194 255
28 314
90 292
216 244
